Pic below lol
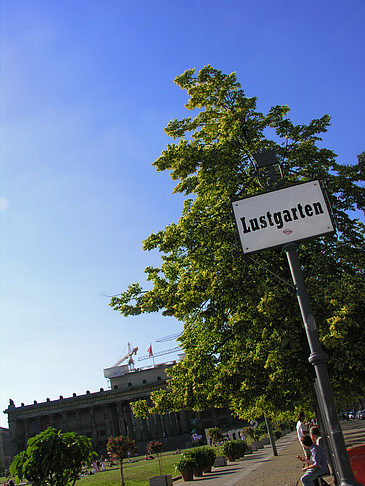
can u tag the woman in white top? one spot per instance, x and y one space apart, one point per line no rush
302 431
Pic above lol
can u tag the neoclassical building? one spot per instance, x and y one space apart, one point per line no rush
107 412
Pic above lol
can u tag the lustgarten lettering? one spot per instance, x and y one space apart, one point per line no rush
280 217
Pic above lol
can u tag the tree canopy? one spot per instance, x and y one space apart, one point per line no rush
53 458
243 336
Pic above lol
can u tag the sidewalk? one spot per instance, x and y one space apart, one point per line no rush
263 469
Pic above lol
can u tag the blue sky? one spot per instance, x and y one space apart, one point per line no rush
86 90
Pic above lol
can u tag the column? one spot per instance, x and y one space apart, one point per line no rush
145 429
152 427
184 422
38 424
51 420
93 425
121 422
167 424
174 424
26 430
64 422
13 448
131 424
158 423
78 421
178 423
108 425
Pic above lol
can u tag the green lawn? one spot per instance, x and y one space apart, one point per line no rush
135 474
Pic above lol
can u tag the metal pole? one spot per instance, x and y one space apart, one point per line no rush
323 427
318 359
271 435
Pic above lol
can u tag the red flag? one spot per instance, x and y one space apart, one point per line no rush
150 353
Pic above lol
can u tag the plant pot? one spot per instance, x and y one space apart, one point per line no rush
198 473
220 461
188 475
164 480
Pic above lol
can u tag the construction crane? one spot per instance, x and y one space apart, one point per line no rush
159 353
118 370
129 355
169 338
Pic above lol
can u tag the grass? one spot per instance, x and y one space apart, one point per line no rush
135 474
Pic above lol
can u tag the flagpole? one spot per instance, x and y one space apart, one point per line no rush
150 354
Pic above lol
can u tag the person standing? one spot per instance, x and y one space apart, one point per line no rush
301 432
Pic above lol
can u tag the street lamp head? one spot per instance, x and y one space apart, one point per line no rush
265 158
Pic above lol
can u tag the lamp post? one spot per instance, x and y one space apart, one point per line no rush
318 359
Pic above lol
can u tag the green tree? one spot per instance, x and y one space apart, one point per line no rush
243 337
119 448
155 447
53 458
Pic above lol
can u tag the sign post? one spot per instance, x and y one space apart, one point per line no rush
282 218
278 217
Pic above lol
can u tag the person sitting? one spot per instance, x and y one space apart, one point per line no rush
317 466
316 436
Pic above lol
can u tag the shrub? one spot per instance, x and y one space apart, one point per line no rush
53 457
234 449
186 463
211 455
204 457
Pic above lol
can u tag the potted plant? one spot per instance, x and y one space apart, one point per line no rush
186 466
210 458
203 458
233 449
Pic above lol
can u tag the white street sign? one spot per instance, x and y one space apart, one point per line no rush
275 218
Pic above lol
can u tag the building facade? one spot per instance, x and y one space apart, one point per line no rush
5 447
108 413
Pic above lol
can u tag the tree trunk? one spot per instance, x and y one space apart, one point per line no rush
122 483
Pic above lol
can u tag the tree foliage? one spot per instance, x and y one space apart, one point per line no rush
53 458
243 337
119 447
155 447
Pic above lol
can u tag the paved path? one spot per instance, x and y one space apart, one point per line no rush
263 469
